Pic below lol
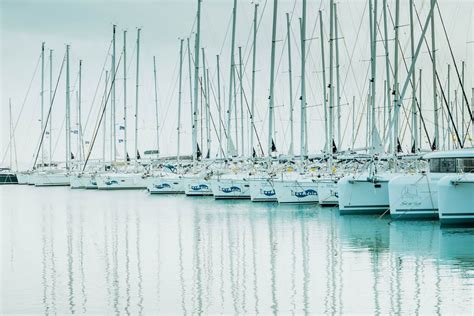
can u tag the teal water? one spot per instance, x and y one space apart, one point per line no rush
75 251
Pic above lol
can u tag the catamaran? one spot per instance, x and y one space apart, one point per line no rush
456 193
418 195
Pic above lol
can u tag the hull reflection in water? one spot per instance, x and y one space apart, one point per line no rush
81 251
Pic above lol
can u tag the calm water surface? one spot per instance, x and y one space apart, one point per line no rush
67 251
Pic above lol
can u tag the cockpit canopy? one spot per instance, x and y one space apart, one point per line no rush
453 161
452 165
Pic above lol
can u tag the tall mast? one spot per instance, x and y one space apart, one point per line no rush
80 152
304 149
42 100
419 117
230 145
180 94
208 116
204 86
387 75
367 122
136 94
68 113
236 119
241 88
323 66
396 107
11 132
190 86
254 55
384 117
50 101
338 88
113 123
448 105
414 111
104 99
156 110
272 79
370 105
196 83
219 107
436 141
353 122
331 82
373 53
125 96
401 94
290 82
443 130
78 141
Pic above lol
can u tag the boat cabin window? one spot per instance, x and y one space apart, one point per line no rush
452 165
466 165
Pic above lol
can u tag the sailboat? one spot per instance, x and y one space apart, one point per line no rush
261 181
444 192
124 175
7 176
168 179
76 181
50 174
369 192
230 181
455 192
296 183
230 178
327 183
296 188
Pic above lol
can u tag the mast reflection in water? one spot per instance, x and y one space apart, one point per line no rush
66 251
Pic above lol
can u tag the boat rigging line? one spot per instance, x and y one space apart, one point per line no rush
461 144
102 114
459 76
49 113
23 105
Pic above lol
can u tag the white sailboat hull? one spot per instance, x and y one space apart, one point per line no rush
363 196
77 182
262 190
414 197
30 179
22 178
456 200
197 187
50 179
230 189
118 181
90 182
83 181
295 191
327 192
165 185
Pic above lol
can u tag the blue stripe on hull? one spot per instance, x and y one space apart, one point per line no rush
236 197
166 192
264 200
460 221
363 209
415 214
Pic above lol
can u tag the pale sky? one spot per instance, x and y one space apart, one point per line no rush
87 27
